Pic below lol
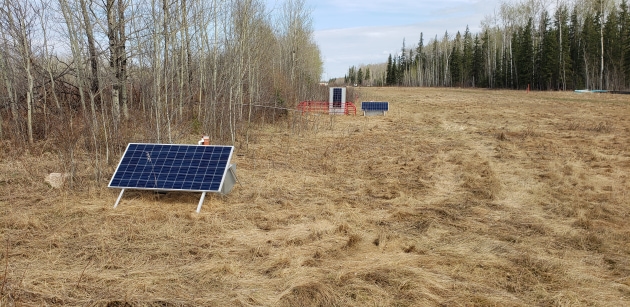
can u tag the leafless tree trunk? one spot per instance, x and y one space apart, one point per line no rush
215 66
113 36
122 58
78 61
1 133
47 56
19 17
6 70
3 71
74 47
601 37
89 33
166 33
116 34
157 70
184 57
447 47
299 53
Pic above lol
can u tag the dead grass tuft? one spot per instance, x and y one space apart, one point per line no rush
586 241
344 228
479 179
584 223
530 273
409 248
502 136
275 267
600 127
353 241
310 294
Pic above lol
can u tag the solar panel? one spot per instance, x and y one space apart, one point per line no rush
337 97
374 106
169 167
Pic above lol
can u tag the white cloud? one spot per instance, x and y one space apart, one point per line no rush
355 32
343 48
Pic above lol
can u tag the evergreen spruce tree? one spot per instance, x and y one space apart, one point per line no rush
456 61
400 71
420 59
562 51
548 55
455 67
477 64
390 72
352 74
524 50
467 58
613 55
360 77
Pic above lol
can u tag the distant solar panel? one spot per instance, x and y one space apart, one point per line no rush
168 167
337 97
374 106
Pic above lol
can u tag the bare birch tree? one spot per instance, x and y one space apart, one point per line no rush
6 70
91 44
47 57
18 19
116 34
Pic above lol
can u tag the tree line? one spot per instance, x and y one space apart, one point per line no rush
544 46
99 74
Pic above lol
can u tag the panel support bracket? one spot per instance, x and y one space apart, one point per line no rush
203 196
119 197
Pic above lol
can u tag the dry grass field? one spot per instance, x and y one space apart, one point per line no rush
455 198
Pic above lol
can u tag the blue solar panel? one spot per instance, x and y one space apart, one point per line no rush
337 97
374 106
169 167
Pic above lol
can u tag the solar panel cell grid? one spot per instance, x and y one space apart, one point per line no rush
374 106
172 167
337 97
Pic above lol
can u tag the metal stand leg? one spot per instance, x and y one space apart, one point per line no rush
203 196
119 197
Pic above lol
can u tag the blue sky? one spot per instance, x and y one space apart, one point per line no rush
355 32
